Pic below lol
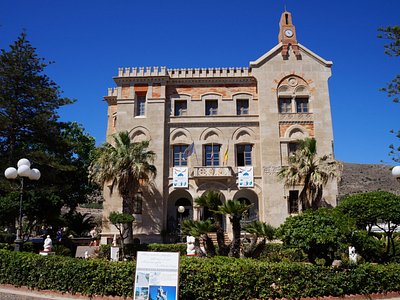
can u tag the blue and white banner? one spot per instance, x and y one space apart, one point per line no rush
245 177
180 177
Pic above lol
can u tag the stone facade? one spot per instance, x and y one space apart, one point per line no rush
234 117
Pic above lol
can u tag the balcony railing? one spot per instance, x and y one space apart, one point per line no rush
209 172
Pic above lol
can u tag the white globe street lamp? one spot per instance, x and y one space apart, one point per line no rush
23 170
181 210
396 172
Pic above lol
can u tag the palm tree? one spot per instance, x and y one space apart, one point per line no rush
200 229
212 200
257 230
235 210
126 166
310 171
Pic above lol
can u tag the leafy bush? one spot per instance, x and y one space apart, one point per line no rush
220 278
7 238
6 246
181 248
319 233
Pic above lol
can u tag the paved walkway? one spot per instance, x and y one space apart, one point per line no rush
8 292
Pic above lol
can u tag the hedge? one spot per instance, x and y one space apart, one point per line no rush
216 278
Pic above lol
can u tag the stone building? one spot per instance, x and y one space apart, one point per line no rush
224 129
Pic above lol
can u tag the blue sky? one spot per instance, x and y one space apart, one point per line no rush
90 39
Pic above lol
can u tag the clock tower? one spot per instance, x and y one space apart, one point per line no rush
287 36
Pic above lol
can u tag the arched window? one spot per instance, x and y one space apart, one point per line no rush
293 95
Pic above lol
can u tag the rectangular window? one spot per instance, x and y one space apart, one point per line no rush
178 151
302 105
292 148
242 107
141 105
211 155
180 108
137 203
211 107
285 105
243 155
293 202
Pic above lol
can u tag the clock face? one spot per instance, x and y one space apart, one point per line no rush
288 33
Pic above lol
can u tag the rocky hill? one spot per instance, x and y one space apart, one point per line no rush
358 178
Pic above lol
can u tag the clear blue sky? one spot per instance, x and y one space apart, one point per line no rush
90 39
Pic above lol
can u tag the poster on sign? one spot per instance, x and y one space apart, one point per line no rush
157 276
180 178
245 177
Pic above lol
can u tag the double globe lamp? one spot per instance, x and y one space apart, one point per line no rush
23 171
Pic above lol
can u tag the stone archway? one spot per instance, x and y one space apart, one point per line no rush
249 197
175 199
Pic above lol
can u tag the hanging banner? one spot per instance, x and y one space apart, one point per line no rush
245 177
180 177
156 275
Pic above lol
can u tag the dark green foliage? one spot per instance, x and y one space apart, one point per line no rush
320 233
79 224
30 127
221 278
259 232
181 248
274 252
120 220
392 34
381 209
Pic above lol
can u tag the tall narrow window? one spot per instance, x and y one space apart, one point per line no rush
211 155
242 107
301 105
180 108
285 105
141 105
292 148
293 202
243 155
137 203
211 107
179 159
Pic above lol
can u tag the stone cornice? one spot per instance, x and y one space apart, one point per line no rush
214 124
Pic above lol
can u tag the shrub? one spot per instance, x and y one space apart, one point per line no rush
181 248
221 278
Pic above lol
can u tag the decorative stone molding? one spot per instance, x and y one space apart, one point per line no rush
213 172
297 117
271 170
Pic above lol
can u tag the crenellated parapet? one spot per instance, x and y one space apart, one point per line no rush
184 73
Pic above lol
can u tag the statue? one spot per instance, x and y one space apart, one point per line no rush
352 255
190 247
161 295
48 244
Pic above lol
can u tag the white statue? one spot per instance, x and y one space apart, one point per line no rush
48 244
352 255
190 248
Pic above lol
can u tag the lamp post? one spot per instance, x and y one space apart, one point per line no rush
181 210
23 170
396 172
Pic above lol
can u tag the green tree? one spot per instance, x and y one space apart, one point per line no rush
211 200
79 224
234 209
319 233
30 127
380 209
258 230
126 166
120 220
392 33
200 230
310 171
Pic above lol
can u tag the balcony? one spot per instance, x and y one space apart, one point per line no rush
213 172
